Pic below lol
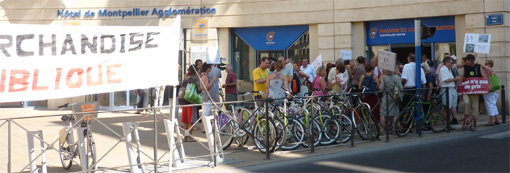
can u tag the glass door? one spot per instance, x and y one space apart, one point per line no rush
269 54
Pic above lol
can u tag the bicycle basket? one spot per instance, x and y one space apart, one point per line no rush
80 108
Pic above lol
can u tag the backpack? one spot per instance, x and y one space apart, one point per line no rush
434 84
181 92
295 84
369 82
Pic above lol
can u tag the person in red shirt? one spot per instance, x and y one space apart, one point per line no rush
230 85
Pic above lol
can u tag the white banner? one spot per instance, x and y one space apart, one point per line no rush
386 60
346 54
198 53
48 61
477 43
213 55
317 62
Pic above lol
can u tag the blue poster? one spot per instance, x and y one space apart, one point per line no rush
270 38
402 31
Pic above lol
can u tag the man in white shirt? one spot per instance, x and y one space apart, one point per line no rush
308 69
409 73
409 78
447 80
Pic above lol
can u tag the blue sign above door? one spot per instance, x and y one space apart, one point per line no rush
270 38
402 31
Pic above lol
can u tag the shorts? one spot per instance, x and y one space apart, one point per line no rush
452 97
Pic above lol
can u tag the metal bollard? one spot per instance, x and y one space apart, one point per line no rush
352 125
386 126
155 142
215 142
503 104
310 123
267 128
448 126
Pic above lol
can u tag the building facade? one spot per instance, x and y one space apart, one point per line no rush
246 30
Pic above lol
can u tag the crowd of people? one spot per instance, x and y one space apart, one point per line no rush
302 79
344 76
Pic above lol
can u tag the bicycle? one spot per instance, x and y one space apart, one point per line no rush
432 118
243 123
292 128
362 118
328 120
85 145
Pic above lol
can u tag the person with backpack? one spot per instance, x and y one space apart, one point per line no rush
302 78
187 111
371 82
430 84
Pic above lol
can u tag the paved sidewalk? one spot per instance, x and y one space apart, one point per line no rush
112 153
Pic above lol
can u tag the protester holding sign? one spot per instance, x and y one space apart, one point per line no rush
471 112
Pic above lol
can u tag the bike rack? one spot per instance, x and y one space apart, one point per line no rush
135 162
83 153
177 155
31 152
213 139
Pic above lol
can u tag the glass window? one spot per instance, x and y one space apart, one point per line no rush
244 63
300 49
441 48
372 51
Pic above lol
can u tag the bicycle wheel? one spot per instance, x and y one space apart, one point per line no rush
91 152
330 129
226 133
404 124
345 133
245 125
263 130
66 149
437 121
316 132
282 135
361 127
295 134
372 125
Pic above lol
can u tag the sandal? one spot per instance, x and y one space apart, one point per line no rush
497 123
466 124
490 124
472 128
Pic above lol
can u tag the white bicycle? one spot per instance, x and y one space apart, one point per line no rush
85 145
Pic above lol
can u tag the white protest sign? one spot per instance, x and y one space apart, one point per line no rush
477 43
317 63
346 54
42 62
386 60
213 55
198 53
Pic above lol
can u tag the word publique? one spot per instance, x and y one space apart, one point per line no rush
66 46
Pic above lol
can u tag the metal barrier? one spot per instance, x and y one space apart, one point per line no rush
144 130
